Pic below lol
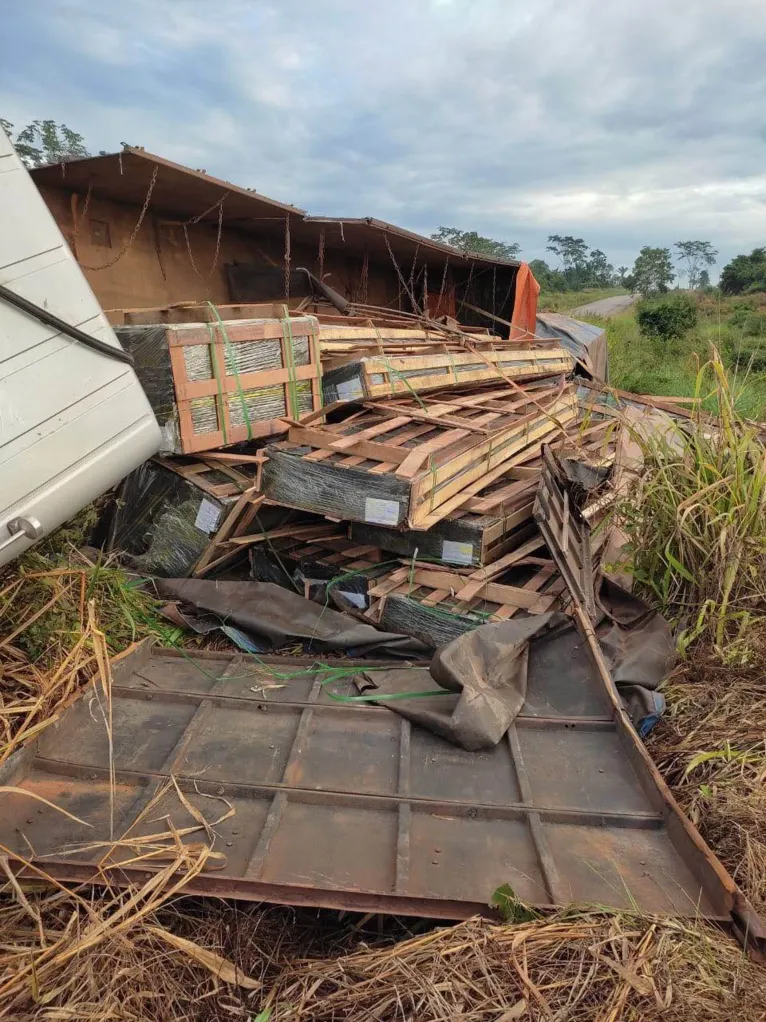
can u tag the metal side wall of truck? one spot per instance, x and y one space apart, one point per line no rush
73 420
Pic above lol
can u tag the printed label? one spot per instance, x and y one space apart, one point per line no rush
357 599
457 553
208 517
350 390
381 512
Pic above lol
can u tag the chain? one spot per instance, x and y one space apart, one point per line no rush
218 239
287 258
321 254
79 220
218 204
402 281
412 277
425 288
135 230
443 286
195 220
188 249
467 288
508 293
364 279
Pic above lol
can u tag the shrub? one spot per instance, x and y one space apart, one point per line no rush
667 318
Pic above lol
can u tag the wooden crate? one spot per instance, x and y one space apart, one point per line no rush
497 518
389 373
215 384
409 462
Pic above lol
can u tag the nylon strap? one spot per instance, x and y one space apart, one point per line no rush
292 388
232 360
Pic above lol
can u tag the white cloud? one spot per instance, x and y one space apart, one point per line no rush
625 123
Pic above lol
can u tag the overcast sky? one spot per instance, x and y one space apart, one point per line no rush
624 123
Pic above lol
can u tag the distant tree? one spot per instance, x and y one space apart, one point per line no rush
470 241
573 253
694 256
599 269
622 273
548 278
745 273
704 280
44 142
652 271
541 271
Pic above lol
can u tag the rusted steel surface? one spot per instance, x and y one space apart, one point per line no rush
348 805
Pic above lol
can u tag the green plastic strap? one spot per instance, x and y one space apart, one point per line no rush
233 361
317 358
214 364
292 389
432 470
395 372
334 674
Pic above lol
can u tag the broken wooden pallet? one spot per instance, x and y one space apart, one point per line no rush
409 461
393 373
318 558
436 604
497 518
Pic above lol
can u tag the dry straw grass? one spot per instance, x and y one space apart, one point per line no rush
711 748
78 957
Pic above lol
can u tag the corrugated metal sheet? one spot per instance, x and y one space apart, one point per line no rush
348 805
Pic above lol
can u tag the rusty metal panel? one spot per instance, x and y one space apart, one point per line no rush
348 805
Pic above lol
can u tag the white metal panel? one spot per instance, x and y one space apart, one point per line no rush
73 422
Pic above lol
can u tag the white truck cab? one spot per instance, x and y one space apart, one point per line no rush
74 419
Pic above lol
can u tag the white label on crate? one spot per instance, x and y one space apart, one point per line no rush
457 553
350 390
208 517
381 512
357 599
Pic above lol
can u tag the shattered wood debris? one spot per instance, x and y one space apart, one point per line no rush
442 481
496 518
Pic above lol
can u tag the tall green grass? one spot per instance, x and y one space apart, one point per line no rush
696 531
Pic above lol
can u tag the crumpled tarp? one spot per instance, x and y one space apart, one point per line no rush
483 673
261 615
583 340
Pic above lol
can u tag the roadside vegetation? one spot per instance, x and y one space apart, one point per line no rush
664 355
697 550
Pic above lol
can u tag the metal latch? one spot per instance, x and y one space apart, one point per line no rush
21 528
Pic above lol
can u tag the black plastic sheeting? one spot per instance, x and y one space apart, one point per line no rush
478 682
261 615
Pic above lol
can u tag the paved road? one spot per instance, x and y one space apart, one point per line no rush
606 307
